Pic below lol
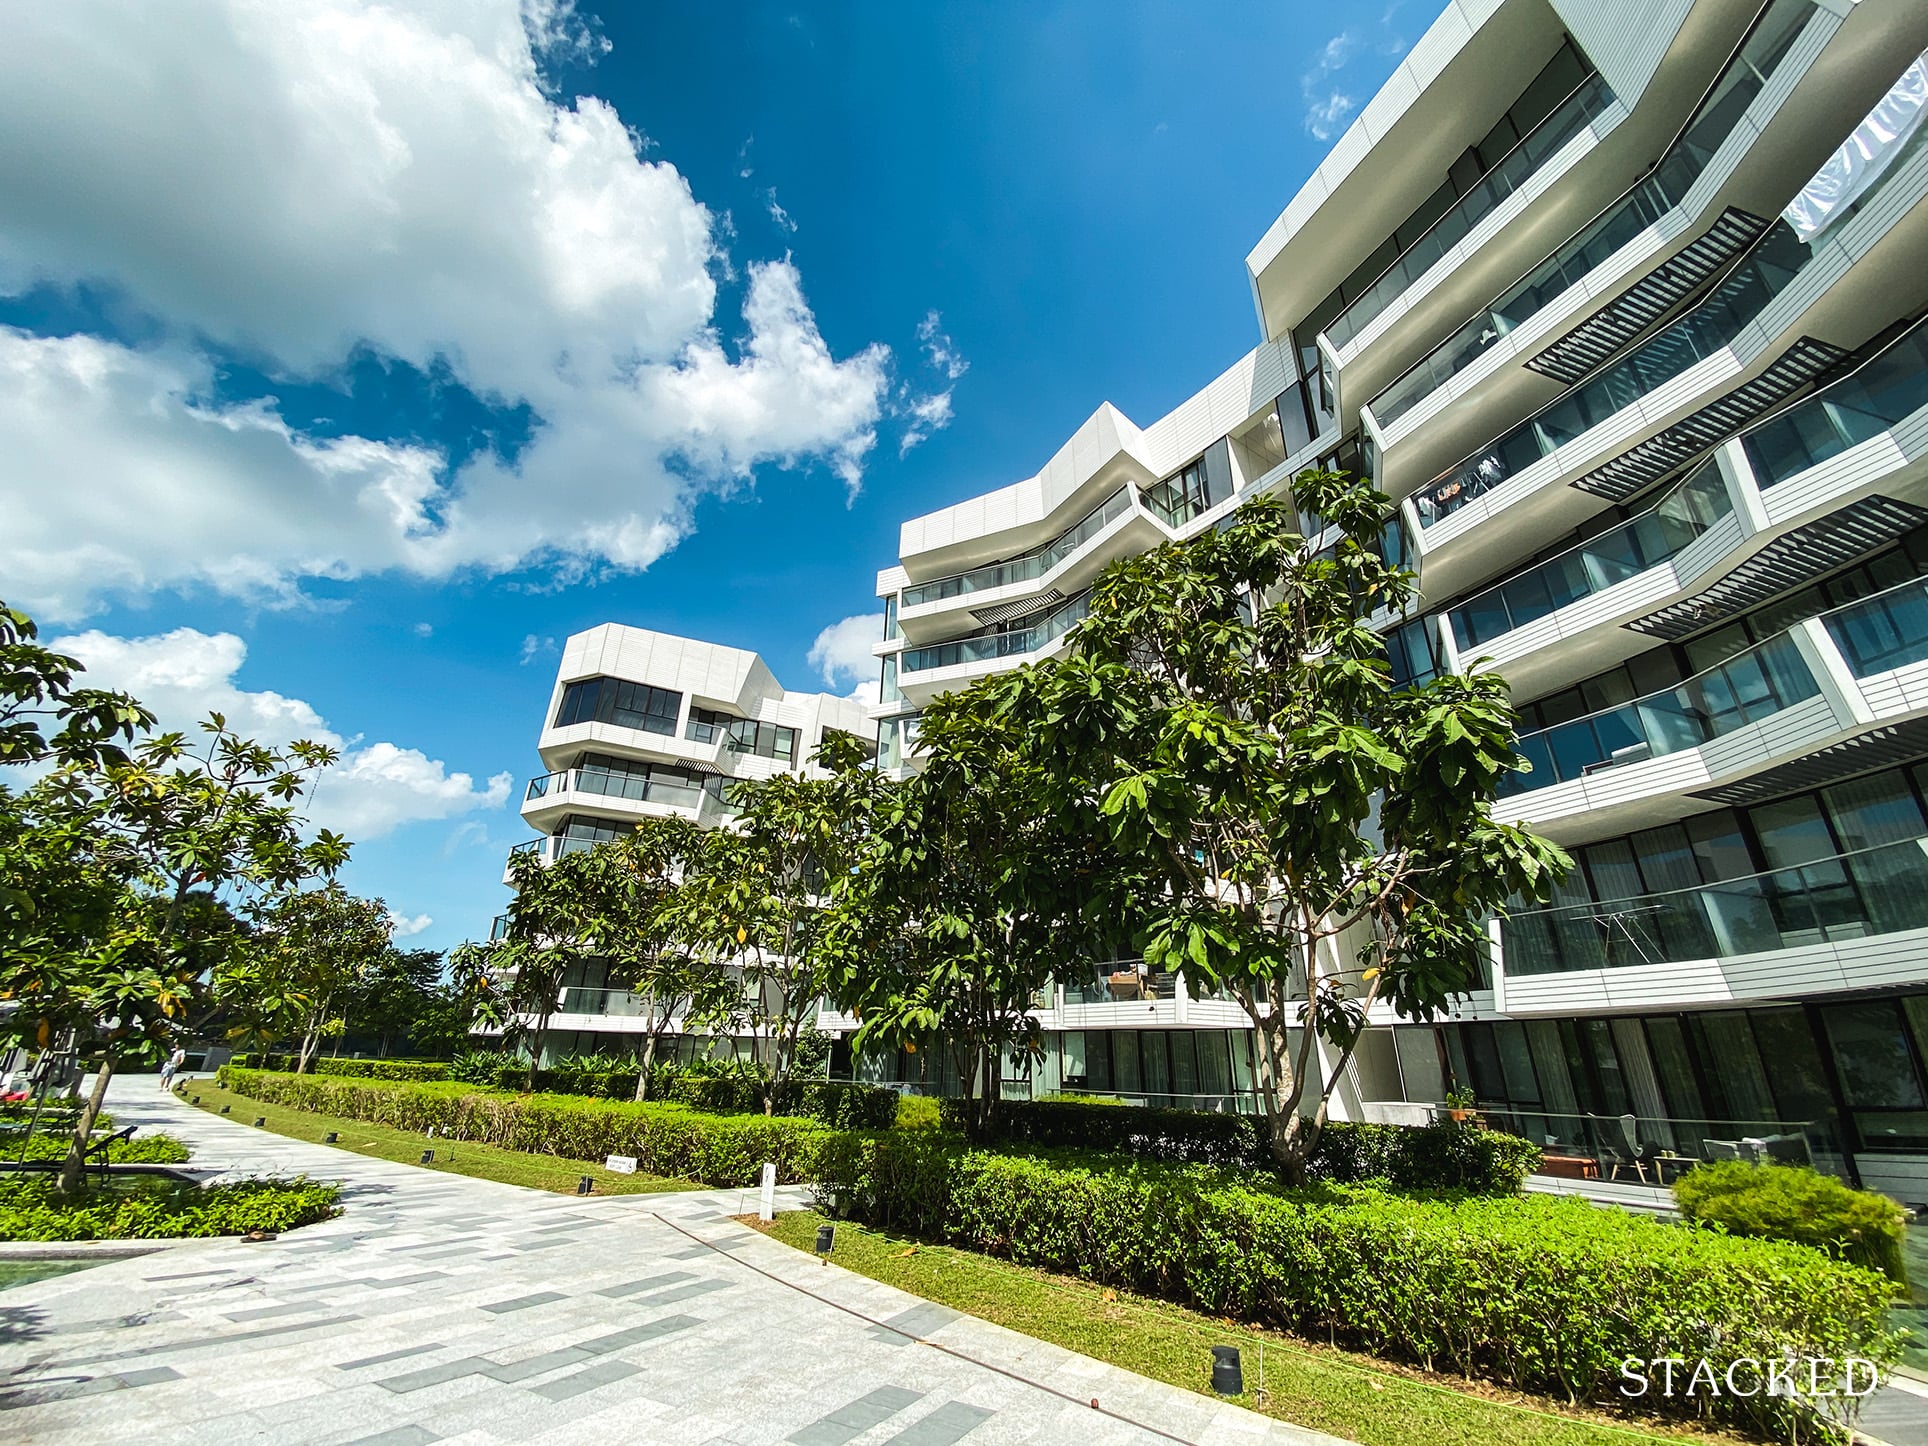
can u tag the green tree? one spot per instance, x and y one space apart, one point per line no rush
642 924
1320 839
402 1001
758 893
162 845
307 954
551 932
37 693
981 882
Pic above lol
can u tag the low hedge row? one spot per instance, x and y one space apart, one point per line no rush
1539 1293
845 1106
1789 1202
350 1068
141 1150
666 1139
1445 1156
161 1210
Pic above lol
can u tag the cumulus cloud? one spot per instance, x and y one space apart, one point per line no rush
930 411
405 928
842 654
298 185
534 647
376 787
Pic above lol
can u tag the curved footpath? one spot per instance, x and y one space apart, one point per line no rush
440 1308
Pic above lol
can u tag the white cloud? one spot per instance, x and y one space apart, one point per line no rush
424 630
842 654
939 349
928 414
297 183
785 222
534 647
1327 107
183 675
406 928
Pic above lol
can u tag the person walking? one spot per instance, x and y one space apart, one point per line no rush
171 1066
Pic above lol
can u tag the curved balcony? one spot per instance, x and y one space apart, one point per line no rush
992 646
1578 260
1656 536
1752 685
1582 106
1880 395
1857 895
1029 566
1702 333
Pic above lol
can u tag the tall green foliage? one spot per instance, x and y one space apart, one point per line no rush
307 954
1312 838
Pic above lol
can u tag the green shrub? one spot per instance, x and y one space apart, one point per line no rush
917 1112
477 1066
1792 1202
1540 1293
349 1068
666 1139
144 1208
141 1150
1444 1156
717 1091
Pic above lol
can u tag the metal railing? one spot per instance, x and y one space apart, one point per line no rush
986 646
1708 328
1582 106
1030 565
1623 1148
1883 392
1853 895
1656 536
1763 680
1720 111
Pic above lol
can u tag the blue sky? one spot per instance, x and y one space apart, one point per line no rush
350 362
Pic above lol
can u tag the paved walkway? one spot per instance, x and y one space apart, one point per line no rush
439 1308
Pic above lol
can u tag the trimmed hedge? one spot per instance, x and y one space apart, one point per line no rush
350 1068
1444 1156
154 1149
844 1106
158 1210
1542 1293
666 1139
1791 1202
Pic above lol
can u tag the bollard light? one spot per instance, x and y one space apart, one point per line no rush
1228 1376
826 1237
585 1184
260 1120
331 1138
428 1157
226 1108
197 1099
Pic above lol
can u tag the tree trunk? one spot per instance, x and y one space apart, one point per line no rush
535 1050
645 1064
73 1169
1279 1088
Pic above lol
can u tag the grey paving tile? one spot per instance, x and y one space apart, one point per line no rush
952 1421
682 1292
269 1312
388 1356
523 1302
536 1365
587 1379
435 1375
209 1343
648 1282
922 1320
852 1419
400 1436
636 1335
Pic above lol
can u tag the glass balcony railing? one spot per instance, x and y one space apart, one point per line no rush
1883 632
1665 188
604 1001
1879 395
986 646
1702 332
1881 890
648 788
1750 686
1034 564
1597 564
498 927
1515 168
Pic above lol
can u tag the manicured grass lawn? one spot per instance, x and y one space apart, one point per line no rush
485 1162
1347 1394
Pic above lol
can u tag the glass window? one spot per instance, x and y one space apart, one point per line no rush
622 703
1872 1055
1800 1087
1867 812
1732 1066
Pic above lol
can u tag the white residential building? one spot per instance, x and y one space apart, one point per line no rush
1621 300
644 724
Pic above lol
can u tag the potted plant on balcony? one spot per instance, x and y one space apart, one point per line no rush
1462 1107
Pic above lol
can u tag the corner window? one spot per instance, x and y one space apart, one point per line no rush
623 704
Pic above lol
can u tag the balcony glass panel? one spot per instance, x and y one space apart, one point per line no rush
1595 565
983 647
1702 332
1884 632
1034 564
1569 118
1620 223
1878 396
1849 896
1744 689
